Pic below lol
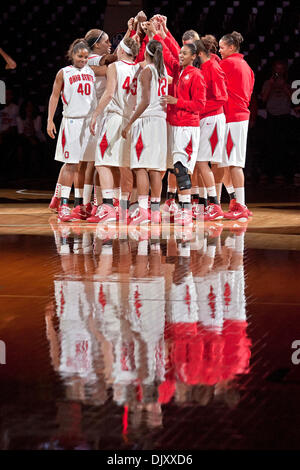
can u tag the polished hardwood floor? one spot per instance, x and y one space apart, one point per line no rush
151 338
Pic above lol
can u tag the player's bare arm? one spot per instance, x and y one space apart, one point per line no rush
145 80
10 63
53 101
106 97
99 70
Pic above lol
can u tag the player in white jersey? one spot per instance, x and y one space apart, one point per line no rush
75 85
99 56
117 102
98 59
149 134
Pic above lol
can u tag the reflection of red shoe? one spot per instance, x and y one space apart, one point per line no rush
54 204
213 212
233 202
139 235
238 212
78 213
214 229
239 227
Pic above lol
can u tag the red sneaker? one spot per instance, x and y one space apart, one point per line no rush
78 213
198 212
233 202
213 212
170 207
184 217
54 204
64 213
94 210
139 217
88 209
105 213
238 212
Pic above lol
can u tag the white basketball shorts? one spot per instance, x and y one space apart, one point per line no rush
149 143
112 149
235 144
212 133
72 140
185 144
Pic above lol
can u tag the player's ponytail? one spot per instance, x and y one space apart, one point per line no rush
76 46
155 51
210 43
200 47
234 39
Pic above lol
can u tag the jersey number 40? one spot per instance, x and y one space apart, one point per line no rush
84 90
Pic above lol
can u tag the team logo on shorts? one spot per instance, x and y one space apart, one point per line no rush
67 154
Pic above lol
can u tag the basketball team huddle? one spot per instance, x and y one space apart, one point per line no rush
150 107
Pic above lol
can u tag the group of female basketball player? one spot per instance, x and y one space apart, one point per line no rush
150 107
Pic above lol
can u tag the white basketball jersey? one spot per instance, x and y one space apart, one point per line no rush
124 99
78 94
159 87
100 82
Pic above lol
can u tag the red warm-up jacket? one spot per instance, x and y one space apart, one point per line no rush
240 82
190 89
215 57
216 91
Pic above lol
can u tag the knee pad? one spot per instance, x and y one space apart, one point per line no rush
182 176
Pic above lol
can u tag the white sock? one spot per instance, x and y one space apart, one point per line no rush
155 199
211 251
195 190
229 189
212 191
239 243
65 192
78 192
143 202
107 250
117 192
219 190
143 248
97 195
172 190
87 193
107 193
240 195
125 196
184 250
203 192
184 198
57 191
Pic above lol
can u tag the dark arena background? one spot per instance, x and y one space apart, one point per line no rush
161 338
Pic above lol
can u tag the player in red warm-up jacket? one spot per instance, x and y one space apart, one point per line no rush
240 82
183 115
212 129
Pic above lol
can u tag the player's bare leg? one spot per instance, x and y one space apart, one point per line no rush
156 187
